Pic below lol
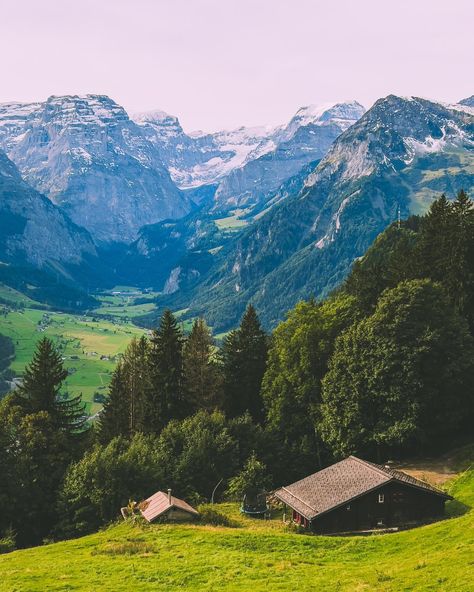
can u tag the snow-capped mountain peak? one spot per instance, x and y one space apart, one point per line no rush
89 157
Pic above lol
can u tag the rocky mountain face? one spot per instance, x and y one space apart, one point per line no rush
42 252
401 154
87 156
270 173
247 163
262 215
34 229
306 138
201 158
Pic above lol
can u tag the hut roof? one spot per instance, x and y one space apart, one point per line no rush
158 504
342 482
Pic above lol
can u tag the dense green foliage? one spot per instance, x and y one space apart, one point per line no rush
383 368
401 378
298 359
104 480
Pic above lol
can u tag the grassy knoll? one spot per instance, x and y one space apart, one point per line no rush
121 302
232 222
81 340
254 555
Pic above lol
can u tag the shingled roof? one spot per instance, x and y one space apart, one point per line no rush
342 482
158 504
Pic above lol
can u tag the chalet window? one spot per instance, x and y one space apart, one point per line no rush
381 498
398 497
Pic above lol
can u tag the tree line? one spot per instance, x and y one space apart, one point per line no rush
382 368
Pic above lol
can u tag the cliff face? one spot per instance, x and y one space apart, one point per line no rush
34 230
88 157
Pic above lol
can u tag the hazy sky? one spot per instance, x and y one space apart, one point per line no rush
225 63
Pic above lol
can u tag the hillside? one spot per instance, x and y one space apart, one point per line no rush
256 555
89 345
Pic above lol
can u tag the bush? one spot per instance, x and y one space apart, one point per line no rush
209 515
7 543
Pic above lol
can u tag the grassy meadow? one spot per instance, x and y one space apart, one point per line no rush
255 555
89 344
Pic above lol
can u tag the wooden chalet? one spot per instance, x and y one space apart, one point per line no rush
357 495
166 507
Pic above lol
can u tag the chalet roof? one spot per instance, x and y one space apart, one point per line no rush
342 482
158 504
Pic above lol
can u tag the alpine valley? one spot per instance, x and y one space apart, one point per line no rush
93 197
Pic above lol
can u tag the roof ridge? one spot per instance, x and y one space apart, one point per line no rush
373 466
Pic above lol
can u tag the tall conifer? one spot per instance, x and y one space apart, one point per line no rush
41 386
114 418
166 396
244 355
201 371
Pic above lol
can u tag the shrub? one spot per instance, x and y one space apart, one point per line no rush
7 543
209 515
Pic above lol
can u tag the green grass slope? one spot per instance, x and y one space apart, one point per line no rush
255 556
81 339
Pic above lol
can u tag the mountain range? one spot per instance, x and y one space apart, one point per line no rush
93 196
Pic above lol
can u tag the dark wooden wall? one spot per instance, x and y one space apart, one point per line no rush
402 505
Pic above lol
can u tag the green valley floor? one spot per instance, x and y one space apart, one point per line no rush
255 555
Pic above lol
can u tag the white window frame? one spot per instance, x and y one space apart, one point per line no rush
381 498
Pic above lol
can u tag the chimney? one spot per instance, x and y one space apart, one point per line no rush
169 496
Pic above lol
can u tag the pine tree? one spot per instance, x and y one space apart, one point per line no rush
41 386
165 399
124 412
244 355
201 371
114 418
47 433
460 272
135 364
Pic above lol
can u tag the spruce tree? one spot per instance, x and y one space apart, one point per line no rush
460 272
135 364
244 355
124 412
41 386
201 372
165 399
47 433
114 418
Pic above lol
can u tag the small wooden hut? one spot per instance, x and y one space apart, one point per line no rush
166 507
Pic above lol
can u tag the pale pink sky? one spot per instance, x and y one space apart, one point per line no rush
224 63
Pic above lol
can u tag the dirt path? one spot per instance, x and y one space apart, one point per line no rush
434 470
